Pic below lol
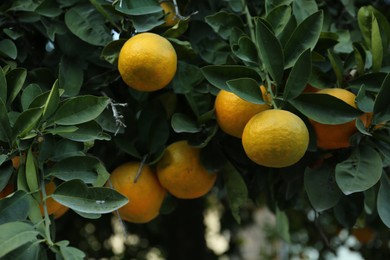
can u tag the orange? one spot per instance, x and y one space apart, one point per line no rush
181 172
364 234
53 207
232 112
170 14
147 62
145 194
8 189
275 138
16 162
336 136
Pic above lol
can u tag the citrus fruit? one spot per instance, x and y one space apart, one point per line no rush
16 162
52 206
275 138
169 12
232 112
8 189
336 136
363 234
181 172
145 193
147 62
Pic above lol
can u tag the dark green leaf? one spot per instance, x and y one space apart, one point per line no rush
31 171
8 49
383 200
3 86
5 127
111 51
352 174
29 94
223 23
337 66
187 77
321 187
15 79
88 24
371 81
49 8
52 101
279 17
246 50
26 121
299 76
305 36
272 4
382 105
213 158
182 123
236 189
270 50
144 23
376 46
363 101
144 7
247 89
217 75
85 132
304 8
80 109
70 76
325 108
348 209
14 208
66 148
6 170
14 235
69 252
360 58
78 196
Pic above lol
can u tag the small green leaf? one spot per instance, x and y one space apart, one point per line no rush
279 17
52 101
272 4
223 23
270 50
236 189
69 252
352 174
304 8
282 225
78 196
138 8
383 200
337 66
14 208
26 121
360 57
382 105
305 36
15 79
85 132
247 89
3 86
70 76
29 94
348 209
88 24
183 123
187 77
8 49
31 171
246 50
325 108
66 148
321 187
111 51
5 126
217 75
80 109
14 235
299 76
363 101
376 46
6 170
371 81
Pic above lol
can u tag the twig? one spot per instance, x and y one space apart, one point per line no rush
117 116
141 166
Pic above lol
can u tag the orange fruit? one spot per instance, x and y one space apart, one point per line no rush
8 189
145 194
232 112
16 162
310 89
364 235
181 172
147 62
336 136
275 138
53 207
170 14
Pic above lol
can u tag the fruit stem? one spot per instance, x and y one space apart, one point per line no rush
140 168
249 20
46 214
269 89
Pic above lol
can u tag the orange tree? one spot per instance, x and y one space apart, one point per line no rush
75 105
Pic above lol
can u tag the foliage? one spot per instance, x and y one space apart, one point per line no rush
59 110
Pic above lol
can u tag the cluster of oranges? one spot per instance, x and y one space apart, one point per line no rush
278 138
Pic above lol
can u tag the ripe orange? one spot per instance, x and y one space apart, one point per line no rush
16 162
170 14
275 138
8 189
336 136
364 234
181 172
147 62
232 112
53 207
145 194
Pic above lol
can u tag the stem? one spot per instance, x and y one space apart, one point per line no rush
118 214
140 168
249 20
46 214
269 89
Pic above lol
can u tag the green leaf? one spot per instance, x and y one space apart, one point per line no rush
111 51
299 76
212 157
272 4
29 94
279 17
144 23
15 79
247 89
270 50
88 24
304 8
183 123
371 81
6 170
3 86
325 108
382 105
321 187
383 200
282 225
70 76
80 109
66 148
52 101
360 57
70 253
223 23
348 209
236 189
246 50
145 7
5 126
217 75
337 66
8 49
187 77
76 167
364 102
23 5
85 132
78 196
305 36
26 121
376 46
14 235
351 174
14 208
31 171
